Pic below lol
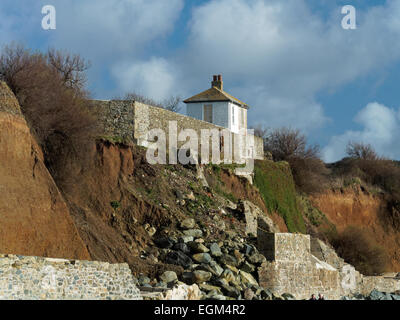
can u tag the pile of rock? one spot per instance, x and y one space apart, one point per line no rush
375 295
222 270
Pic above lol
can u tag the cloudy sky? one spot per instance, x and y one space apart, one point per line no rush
290 60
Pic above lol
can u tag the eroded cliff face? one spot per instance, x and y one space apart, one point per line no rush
354 207
34 218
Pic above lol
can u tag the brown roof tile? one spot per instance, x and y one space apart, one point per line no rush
214 94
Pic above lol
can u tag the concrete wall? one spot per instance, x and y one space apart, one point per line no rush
34 278
293 268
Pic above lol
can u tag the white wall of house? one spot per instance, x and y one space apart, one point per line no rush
225 114
220 112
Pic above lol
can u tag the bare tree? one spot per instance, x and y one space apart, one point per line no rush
171 104
285 143
54 110
361 151
71 67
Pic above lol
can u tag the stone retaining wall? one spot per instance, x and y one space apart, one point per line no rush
34 278
303 267
131 121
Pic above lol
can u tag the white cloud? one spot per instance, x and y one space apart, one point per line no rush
279 55
380 127
153 78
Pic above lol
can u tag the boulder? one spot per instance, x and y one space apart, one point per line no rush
200 276
215 250
195 233
164 242
248 279
168 277
202 258
188 224
197 247
183 247
178 258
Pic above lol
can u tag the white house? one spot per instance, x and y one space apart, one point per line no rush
218 107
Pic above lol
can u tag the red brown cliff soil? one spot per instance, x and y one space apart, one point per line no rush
34 218
354 207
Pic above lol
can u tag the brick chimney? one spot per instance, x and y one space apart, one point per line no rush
217 82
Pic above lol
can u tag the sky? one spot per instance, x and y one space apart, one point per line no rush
290 60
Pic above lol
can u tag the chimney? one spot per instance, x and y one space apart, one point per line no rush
217 82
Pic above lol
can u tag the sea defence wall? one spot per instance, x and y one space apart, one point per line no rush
302 267
34 278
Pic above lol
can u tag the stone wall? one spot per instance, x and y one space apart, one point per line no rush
131 121
34 278
301 266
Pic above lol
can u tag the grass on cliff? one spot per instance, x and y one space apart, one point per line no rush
276 185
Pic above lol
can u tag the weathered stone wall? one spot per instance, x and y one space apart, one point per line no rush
132 121
302 267
34 278
116 118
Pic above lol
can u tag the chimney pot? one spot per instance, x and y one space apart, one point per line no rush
217 82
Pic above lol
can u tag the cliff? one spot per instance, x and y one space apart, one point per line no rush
34 218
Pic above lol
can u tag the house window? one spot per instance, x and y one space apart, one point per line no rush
208 113
233 115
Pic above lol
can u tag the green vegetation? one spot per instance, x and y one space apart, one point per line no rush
275 183
114 140
115 204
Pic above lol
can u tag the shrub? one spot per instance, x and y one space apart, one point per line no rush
362 151
357 247
50 89
309 172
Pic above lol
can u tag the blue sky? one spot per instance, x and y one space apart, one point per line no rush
289 59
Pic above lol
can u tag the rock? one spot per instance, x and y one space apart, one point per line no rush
395 297
255 218
183 247
213 267
168 277
228 276
228 260
247 267
230 234
249 294
164 243
231 291
288 296
200 276
377 295
239 257
215 250
191 196
266 294
186 239
202 258
178 258
151 231
179 195
208 288
248 249
183 292
195 233
198 247
257 259
188 224
144 280
161 285
248 279
214 296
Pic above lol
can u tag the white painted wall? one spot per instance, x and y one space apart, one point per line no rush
222 114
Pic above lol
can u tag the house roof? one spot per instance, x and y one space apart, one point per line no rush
215 95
